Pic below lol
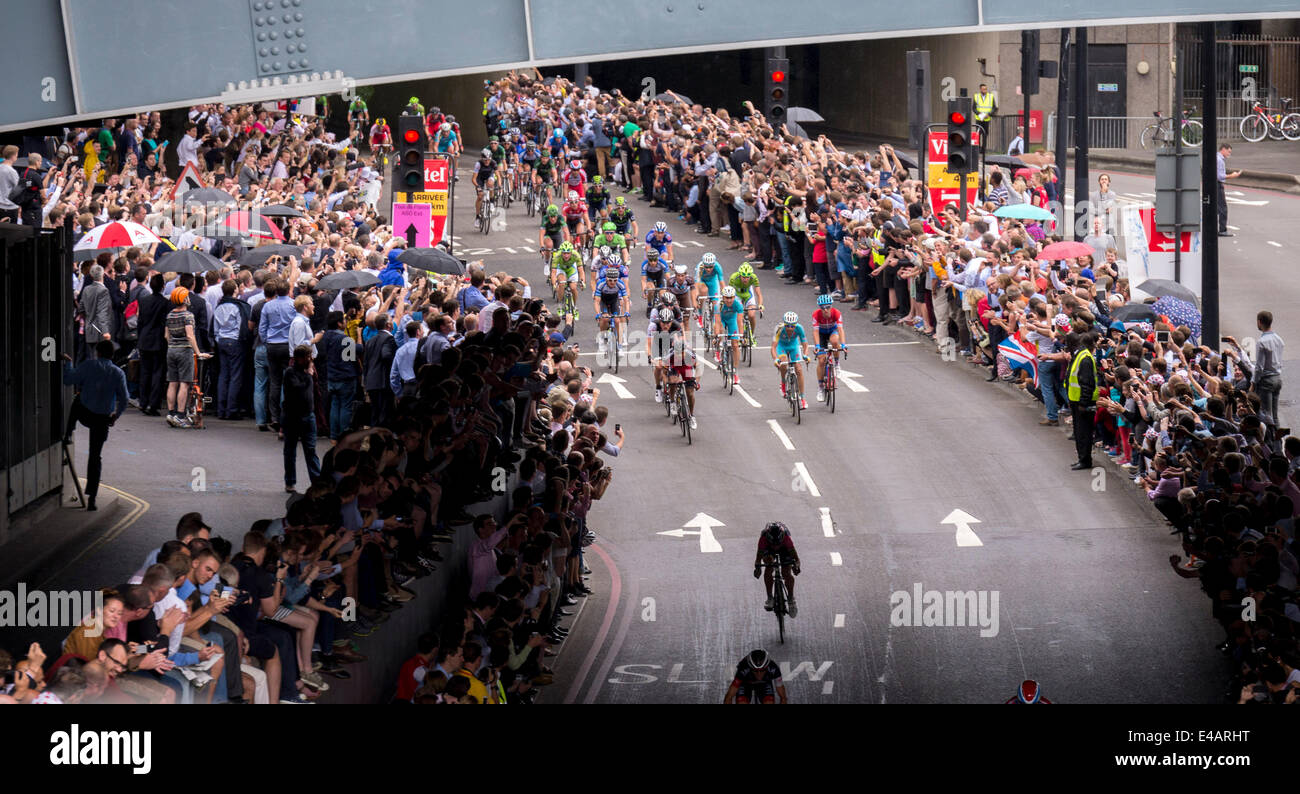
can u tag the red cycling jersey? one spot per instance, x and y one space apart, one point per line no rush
574 210
575 179
827 320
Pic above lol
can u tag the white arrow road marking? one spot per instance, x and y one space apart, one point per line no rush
705 524
853 385
836 559
1247 203
963 520
828 525
827 686
748 399
839 621
776 428
807 479
617 383
1275 245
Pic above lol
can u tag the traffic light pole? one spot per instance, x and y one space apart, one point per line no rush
1080 88
1062 121
1209 192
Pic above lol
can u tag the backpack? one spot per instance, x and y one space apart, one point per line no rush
131 328
27 190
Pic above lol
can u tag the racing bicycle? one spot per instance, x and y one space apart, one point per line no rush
612 341
780 607
727 364
832 372
1275 123
1160 132
792 389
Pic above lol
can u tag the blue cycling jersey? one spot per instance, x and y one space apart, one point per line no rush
709 275
660 245
789 337
646 266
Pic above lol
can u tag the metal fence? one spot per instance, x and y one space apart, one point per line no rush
1246 68
1125 132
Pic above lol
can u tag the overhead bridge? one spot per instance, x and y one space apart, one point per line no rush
84 59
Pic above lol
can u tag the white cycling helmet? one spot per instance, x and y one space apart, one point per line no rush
660 226
709 259
665 315
757 659
679 269
445 127
573 195
791 318
604 250
728 291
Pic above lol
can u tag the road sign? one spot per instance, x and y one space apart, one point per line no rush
944 185
187 181
413 222
1108 87
1178 190
1247 68
1149 252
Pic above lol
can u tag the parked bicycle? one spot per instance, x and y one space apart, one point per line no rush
1275 123
1161 133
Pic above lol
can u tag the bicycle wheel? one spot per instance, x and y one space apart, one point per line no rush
830 385
778 603
613 344
1193 133
684 411
1291 126
1152 136
724 356
1254 128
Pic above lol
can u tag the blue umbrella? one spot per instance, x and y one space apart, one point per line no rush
1024 212
1180 312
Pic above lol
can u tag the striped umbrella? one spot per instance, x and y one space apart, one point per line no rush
118 234
248 224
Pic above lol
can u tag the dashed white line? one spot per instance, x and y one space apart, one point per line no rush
839 621
707 363
880 344
836 559
776 428
827 686
807 479
1275 245
828 525
748 399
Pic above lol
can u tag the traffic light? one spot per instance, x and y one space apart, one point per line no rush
410 163
961 153
1030 70
776 82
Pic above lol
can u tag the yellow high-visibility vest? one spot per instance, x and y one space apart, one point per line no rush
983 107
1075 391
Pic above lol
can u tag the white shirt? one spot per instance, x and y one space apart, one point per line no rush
300 333
188 150
159 609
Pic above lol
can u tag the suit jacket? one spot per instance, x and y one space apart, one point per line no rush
152 324
198 306
377 355
97 305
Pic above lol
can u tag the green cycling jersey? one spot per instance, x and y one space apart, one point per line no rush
743 284
567 263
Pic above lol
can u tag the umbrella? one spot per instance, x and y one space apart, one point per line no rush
668 96
1134 313
280 211
118 234
87 254
347 279
209 195
1160 287
1027 172
1004 161
255 257
1180 312
188 260
1025 212
802 114
243 223
907 160
1066 249
434 260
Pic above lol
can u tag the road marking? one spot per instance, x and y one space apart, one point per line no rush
807 478
617 382
853 385
827 686
836 559
828 525
1247 203
748 399
511 250
689 242
1275 245
965 535
139 507
707 363
776 428
705 524
1233 229
880 344
839 621
615 589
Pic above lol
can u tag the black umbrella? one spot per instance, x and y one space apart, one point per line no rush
434 260
907 160
209 195
1005 161
281 211
188 260
254 257
1134 313
87 254
667 96
347 279
1160 288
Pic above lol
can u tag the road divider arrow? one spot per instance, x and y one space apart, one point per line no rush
617 383
965 535
704 524
847 377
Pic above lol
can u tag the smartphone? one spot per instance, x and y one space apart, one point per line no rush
1162 337
617 427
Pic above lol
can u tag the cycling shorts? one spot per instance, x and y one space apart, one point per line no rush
824 336
655 277
790 351
730 323
715 283
762 692
608 301
573 222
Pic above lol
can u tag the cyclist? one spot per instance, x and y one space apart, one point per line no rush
757 680
830 333
575 216
498 151
727 319
664 327
775 543
1029 693
708 282
557 143
623 219
550 235
745 280
528 158
682 286
543 171
446 140
610 260
790 346
609 298
609 236
566 264
574 178
358 117
680 369
381 137
661 240
485 170
413 108
597 199
652 272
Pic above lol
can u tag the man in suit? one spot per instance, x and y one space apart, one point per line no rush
153 346
97 306
377 356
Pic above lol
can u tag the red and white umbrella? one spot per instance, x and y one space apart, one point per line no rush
250 224
118 234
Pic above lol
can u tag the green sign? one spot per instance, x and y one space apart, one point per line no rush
1111 87
1246 68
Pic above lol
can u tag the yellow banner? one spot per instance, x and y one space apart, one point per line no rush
436 198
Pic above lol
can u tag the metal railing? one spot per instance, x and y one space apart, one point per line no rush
1125 132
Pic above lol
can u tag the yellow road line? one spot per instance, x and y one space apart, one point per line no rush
139 507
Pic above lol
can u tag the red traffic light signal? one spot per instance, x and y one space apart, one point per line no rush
778 76
957 118
412 136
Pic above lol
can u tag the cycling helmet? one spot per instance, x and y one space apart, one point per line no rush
791 318
709 259
745 269
825 300
669 299
728 292
566 248
665 315
757 659
596 180
661 227
415 100
611 274
494 139
445 127
485 153
653 253
180 295
573 195
620 201
451 118
1029 693
503 124
605 250
679 269
552 210
575 165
